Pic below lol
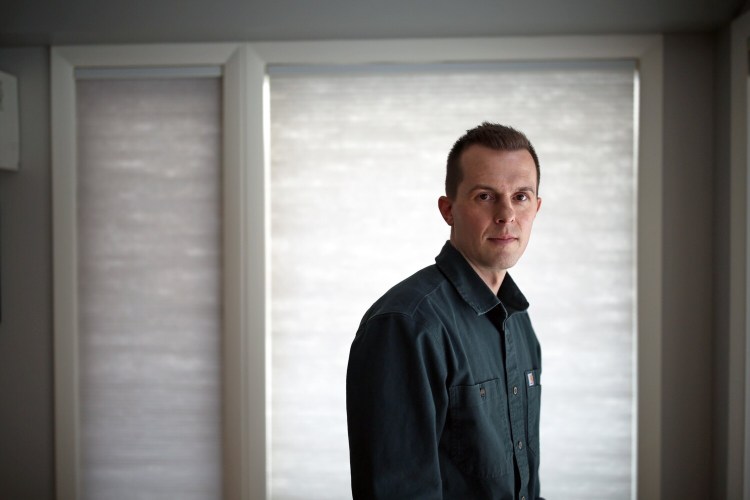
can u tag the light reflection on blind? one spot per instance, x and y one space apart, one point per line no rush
149 288
357 167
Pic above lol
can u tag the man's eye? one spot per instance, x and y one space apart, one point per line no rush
522 197
484 196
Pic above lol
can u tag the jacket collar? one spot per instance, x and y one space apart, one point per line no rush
473 289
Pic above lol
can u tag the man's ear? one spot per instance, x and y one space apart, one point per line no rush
446 209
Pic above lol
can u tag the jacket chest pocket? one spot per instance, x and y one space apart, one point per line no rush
477 432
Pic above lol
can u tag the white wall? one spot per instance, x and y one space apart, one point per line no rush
688 242
26 391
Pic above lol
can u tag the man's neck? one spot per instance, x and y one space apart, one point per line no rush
491 278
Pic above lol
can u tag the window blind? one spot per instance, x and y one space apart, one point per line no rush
357 165
149 271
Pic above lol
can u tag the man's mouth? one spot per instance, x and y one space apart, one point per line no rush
504 238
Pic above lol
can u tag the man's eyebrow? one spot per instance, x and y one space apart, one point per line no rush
527 189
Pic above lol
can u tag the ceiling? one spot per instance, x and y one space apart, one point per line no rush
35 22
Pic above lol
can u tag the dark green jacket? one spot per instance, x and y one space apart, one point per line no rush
443 390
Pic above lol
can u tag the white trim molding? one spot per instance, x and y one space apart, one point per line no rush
649 274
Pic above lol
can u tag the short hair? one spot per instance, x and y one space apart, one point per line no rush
493 136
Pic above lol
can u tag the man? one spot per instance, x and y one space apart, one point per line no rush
443 384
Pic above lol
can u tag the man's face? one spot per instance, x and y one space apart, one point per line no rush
493 210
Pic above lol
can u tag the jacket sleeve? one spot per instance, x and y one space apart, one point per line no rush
396 400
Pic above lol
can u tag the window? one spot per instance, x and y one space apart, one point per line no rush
357 165
149 275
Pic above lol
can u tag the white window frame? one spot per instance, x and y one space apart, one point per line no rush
246 183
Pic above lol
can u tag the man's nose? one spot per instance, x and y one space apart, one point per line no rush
505 212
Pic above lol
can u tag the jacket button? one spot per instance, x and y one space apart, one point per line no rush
520 445
515 391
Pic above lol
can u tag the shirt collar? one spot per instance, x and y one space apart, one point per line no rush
473 289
